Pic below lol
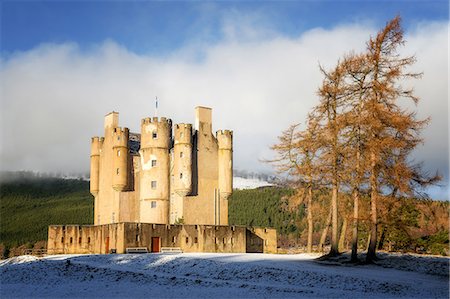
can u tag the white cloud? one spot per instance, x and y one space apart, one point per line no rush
54 96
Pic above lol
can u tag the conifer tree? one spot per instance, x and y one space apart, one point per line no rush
328 117
297 156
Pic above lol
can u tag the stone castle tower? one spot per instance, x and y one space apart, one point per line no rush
166 174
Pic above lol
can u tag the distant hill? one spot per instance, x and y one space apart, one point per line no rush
30 202
29 205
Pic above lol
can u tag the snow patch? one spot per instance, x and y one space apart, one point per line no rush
249 183
211 275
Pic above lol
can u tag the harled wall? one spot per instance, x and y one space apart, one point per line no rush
190 238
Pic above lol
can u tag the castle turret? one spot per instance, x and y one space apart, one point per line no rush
225 142
120 159
96 146
183 159
156 137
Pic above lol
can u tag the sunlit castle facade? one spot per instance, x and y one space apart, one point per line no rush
165 188
166 174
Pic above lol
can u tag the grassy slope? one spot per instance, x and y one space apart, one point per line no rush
263 207
29 207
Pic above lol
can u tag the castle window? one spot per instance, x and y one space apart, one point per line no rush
118 153
181 154
224 241
174 239
153 204
79 240
154 135
187 240
153 163
195 240
71 240
117 171
137 238
118 137
62 239
153 184
89 240
181 175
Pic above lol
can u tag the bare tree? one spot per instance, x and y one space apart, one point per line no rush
296 155
328 117
393 132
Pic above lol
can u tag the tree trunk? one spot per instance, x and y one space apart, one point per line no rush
342 237
323 237
355 225
354 257
310 220
371 251
382 237
334 224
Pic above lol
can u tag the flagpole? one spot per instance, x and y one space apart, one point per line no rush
156 107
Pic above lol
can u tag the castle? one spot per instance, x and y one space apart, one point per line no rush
155 177
165 187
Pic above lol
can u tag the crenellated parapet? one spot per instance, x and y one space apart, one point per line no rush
156 133
120 137
225 139
183 133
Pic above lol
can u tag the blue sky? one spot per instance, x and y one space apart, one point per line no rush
65 64
160 26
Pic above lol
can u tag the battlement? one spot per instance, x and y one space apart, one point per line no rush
183 125
227 133
121 131
156 132
225 139
155 120
96 145
183 133
120 137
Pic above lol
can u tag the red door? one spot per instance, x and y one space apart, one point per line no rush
156 244
107 245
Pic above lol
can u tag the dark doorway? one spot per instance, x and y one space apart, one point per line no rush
254 244
156 244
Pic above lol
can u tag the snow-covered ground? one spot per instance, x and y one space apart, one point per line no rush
248 183
219 276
